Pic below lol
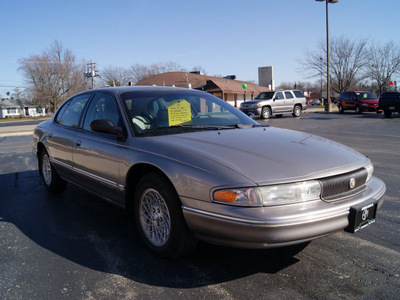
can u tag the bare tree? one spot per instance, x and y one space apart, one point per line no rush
53 76
115 76
304 86
139 72
347 58
383 63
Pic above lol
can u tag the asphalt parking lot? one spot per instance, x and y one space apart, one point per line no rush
75 246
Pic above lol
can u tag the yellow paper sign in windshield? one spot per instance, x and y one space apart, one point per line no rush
179 112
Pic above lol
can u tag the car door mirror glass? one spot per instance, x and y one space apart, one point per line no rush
106 126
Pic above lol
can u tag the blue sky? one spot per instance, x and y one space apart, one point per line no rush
224 37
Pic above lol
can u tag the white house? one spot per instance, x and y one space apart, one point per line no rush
13 108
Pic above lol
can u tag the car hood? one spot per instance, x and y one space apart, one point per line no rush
254 101
265 155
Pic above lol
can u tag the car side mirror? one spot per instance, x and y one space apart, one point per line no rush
107 126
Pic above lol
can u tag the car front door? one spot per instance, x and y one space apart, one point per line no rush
279 102
96 155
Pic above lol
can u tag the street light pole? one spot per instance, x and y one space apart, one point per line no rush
328 104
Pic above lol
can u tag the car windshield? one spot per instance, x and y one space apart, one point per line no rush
171 112
366 96
265 95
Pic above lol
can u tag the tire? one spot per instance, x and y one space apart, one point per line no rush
297 111
266 113
388 113
340 107
51 180
159 218
358 110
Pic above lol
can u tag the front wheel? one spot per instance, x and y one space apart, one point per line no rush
358 110
159 218
266 113
340 107
297 111
52 181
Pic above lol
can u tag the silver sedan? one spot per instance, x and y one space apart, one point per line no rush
188 166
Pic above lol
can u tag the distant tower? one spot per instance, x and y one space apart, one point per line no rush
266 77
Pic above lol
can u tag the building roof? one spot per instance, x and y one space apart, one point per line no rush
14 103
182 79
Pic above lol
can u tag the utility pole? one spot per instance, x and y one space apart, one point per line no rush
91 72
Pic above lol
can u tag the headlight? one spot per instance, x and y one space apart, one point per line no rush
370 170
271 195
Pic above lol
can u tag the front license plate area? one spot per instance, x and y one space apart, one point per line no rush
391 107
361 216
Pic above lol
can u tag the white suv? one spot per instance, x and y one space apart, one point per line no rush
275 103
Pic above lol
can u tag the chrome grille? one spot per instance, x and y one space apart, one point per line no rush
339 186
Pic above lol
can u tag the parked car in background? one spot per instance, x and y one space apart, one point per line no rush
389 102
275 103
359 101
316 102
188 166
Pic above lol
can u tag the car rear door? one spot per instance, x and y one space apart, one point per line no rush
351 101
61 136
290 101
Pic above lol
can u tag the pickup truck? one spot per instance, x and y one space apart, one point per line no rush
389 102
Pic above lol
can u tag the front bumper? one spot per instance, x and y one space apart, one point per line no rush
370 108
275 226
248 111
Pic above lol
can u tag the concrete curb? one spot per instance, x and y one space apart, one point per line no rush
18 133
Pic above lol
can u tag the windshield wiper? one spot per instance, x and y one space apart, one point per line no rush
166 129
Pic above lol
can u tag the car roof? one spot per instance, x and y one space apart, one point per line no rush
391 92
125 89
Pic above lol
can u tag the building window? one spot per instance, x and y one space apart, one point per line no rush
11 111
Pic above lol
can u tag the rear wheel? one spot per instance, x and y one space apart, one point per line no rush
340 107
52 181
159 218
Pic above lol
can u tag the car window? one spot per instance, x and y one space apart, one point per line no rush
102 106
345 96
181 111
288 95
279 96
298 94
366 96
265 96
70 116
61 111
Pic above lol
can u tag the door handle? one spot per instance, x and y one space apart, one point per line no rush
77 143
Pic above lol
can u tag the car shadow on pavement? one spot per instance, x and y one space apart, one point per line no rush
85 230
